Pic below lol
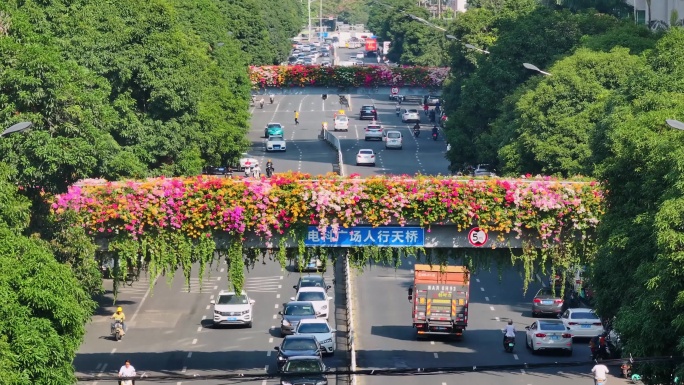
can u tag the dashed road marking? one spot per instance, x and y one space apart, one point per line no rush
436 355
266 368
218 278
194 341
199 329
277 295
497 319
211 297
222 270
268 353
189 354
263 382
185 369
216 287
515 356
491 308
477 280
270 340
280 286
204 317
113 351
482 289
208 306
487 299
523 372
275 316
276 306
432 342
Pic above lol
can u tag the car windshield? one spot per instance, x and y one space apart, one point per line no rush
311 282
394 135
367 108
303 366
299 344
299 310
232 299
412 111
552 326
583 315
366 152
342 118
313 328
547 291
311 296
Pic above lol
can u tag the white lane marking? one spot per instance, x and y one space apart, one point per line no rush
222 270
432 342
497 319
443 383
142 301
491 308
211 297
482 289
263 382
280 286
194 341
275 316
272 327
185 369
436 355
281 277
523 372
98 366
477 280
218 278
208 306
189 354
487 299
277 295
410 263
216 288
270 340
411 271
266 368
515 356
268 353
104 367
113 351
178 383
204 317
199 329
276 306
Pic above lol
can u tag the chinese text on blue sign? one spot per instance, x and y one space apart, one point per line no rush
396 236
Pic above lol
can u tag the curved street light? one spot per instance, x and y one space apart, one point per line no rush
535 68
19 127
675 124
470 46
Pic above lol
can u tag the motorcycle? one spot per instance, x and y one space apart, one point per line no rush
398 110
269 171
599 353
261 104
325 97
434 136
416 132
508 343
271 99
117 330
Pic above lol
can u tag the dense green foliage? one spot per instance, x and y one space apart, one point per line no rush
128 88
44 307
413 43
601 112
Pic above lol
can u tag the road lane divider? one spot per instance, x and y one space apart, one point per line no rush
350 320
335 142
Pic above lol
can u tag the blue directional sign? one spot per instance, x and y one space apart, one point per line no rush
389 236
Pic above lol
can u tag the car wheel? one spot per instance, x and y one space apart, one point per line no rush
249 325
401 147
373 164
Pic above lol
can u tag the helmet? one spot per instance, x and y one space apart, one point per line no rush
118 309
510 322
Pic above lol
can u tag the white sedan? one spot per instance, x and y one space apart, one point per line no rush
549 334
341 123
582 322
408 116
276 143
365 156
317 296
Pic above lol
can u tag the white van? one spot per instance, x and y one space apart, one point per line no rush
394 140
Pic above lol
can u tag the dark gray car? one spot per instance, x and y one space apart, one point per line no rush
303 371
292 313
547 302
298 346
312 281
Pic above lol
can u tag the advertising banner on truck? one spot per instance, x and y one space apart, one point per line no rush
385 47
371 45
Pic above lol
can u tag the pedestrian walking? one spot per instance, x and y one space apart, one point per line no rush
296 118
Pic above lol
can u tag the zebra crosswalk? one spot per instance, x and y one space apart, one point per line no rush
207 285
270 284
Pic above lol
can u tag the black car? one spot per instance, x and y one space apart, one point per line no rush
294 312
303 371
216 170
297 346
368 112
312 281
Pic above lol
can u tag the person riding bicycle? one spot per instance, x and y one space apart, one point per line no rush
119 316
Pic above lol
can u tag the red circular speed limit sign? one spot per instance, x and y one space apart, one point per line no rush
477 237
395 90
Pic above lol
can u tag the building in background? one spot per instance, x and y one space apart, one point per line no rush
659 14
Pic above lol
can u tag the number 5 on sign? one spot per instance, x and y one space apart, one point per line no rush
477 237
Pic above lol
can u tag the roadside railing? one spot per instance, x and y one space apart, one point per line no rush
350 321
335 142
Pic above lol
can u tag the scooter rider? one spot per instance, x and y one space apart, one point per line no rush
119 316
416 130
261 103
397 108
435 131
509 331
269 168
271 97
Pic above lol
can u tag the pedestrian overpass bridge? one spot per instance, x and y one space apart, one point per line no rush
292 211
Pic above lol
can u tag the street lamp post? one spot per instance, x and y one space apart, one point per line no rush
19 127
535 68
470 46
675 124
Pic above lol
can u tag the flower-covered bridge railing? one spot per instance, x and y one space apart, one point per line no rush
340 76
173 220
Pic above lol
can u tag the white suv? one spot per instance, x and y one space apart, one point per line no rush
233 309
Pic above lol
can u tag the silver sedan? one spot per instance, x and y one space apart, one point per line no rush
548 335
320 329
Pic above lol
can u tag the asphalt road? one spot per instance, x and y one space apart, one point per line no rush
386 339
170 328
